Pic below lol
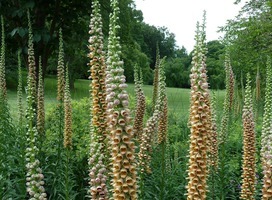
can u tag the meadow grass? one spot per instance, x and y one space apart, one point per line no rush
178 98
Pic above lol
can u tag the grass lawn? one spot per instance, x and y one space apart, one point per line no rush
178 98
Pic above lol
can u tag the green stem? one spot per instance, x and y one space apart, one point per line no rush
67 186
222 172
162 185
60 107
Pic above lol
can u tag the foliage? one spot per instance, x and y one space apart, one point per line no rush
12 175
12 169
55 158
138 40
249 37
215 57
177 68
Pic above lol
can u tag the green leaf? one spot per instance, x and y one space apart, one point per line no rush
37 37
18 13
46 38
13 32
14 13
30 4
22 31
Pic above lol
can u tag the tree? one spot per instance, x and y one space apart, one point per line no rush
138 39
215 64
151 36
249 36
177 69
47 16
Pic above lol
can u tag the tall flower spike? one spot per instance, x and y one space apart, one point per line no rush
207 98
34 176
136 80
163 107
149 132
98 146
249 148
267 116
60 69
31 62
258 85
266 137
98 75
67 113
140 105
203 49
267 170
20 93
156 79
213 152
226 110
237 99
119 120
40 106
199 123
231 85
162 128
97 170
3 89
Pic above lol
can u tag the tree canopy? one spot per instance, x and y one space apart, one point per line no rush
249 37
138 39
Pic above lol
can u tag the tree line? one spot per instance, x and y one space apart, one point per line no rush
138 40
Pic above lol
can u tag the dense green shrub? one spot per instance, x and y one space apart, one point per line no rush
55 163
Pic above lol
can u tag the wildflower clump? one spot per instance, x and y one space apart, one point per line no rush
199 122
122 146
249 148
98 147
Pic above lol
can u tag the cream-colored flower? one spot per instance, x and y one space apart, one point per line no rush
249 147
199 121
119 121
67 114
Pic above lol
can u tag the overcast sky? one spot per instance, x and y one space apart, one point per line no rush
180 16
